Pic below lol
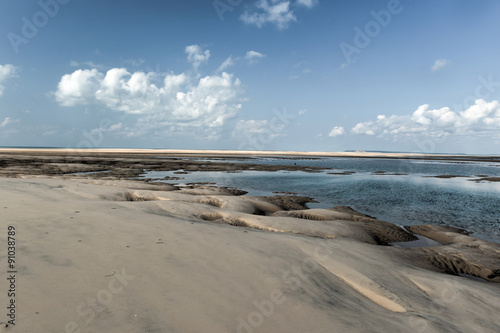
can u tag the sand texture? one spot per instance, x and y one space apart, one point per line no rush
103 255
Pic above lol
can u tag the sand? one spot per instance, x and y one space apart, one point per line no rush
111 255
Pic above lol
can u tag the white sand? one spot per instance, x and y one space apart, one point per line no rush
155 266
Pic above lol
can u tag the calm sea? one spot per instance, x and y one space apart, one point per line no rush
414 198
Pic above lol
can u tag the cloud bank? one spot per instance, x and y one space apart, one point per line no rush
162 99
480 119
179 96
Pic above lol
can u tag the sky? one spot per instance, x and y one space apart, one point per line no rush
296 75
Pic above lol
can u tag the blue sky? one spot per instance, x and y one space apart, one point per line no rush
308 75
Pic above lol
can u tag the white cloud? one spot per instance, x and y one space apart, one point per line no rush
79 87
6 72
196 55
482 118
276 12
301 112
165 103
337 131
226 64
253 56
440 64
8 120
307 3
180 96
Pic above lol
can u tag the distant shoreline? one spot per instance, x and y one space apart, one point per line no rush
200 152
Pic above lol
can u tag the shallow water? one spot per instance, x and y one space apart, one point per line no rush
415 198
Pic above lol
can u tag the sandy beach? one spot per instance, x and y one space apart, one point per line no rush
103 252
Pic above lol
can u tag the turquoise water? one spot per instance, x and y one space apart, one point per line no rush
415 198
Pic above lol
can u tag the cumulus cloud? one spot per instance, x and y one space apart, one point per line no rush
482 118
177 97
196 55
276 12
8 121
253 56
440 64
166 104
6 72
337 131
79 87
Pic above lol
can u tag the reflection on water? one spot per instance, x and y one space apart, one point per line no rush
414 198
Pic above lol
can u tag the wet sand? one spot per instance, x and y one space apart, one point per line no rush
100 252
